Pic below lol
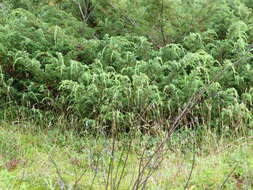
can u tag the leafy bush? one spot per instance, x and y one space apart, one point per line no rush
136 67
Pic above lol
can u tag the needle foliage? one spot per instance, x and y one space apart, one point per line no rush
138 61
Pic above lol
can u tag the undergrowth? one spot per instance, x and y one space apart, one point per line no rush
52 159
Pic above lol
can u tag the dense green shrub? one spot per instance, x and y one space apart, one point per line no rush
137 67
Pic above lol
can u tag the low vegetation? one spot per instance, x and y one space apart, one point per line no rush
51 159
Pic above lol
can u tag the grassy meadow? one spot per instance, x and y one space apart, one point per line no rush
52 159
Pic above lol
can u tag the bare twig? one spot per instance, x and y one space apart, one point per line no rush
192 167
80 178
62 182
82 13
139 175
124 165
94 177
109 179
86 10
227 178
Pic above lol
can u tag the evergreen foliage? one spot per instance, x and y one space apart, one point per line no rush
137 61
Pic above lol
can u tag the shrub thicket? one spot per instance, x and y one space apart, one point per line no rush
134 61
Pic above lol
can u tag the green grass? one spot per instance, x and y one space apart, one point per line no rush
37 159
